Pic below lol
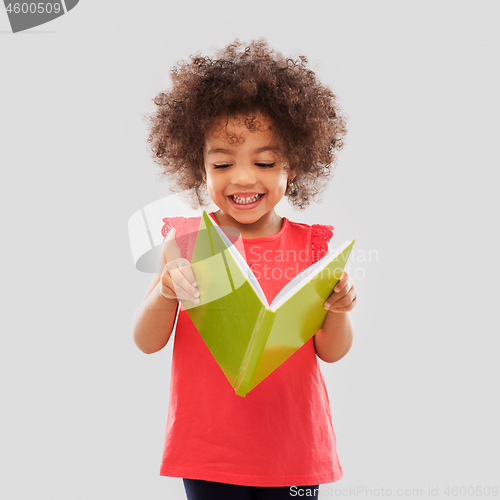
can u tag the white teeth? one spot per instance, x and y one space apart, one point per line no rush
245 201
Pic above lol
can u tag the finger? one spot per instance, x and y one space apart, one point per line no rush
175 294
345 289
186 277
346 299
344 305
182 295
183 288
330 301
172 289
167 287
336 300
341 283
337 295
187 271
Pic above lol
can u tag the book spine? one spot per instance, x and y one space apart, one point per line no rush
254 352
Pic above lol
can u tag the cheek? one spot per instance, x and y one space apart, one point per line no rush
214 187
281 183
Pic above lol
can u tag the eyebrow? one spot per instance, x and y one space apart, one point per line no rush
255 151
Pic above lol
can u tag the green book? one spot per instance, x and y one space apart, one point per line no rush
248 337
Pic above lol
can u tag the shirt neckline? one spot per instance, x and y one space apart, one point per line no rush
261 239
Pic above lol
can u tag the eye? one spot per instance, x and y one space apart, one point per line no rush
222 165
265 165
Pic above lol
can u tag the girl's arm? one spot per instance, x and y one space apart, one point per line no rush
334 340
153 320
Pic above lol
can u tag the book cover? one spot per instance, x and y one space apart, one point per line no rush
248 337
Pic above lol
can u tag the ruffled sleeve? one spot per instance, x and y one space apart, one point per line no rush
186 230
320 236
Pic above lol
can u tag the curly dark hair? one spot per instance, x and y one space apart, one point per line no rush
246 79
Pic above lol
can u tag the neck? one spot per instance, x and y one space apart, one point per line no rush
267 225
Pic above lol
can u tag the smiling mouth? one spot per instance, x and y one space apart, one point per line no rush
246 201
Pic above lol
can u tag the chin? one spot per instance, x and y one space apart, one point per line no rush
243 218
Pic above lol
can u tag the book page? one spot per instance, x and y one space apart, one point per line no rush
240 261
307 275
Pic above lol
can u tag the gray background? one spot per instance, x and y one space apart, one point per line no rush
415 403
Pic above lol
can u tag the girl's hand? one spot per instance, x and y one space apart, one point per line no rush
178 282
343 297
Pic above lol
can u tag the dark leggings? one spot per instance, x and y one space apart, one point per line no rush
196 489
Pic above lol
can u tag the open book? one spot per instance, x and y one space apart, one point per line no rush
248 337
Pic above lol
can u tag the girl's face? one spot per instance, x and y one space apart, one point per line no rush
246 177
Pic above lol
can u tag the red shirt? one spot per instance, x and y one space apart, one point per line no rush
280 433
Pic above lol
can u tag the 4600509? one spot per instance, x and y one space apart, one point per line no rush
34 8
470 491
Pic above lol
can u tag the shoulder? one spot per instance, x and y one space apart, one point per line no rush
181 231
182 225
318 234
321 234
321 231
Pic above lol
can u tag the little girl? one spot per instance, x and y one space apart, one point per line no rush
246 128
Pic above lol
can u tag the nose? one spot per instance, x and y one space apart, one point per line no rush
243 175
